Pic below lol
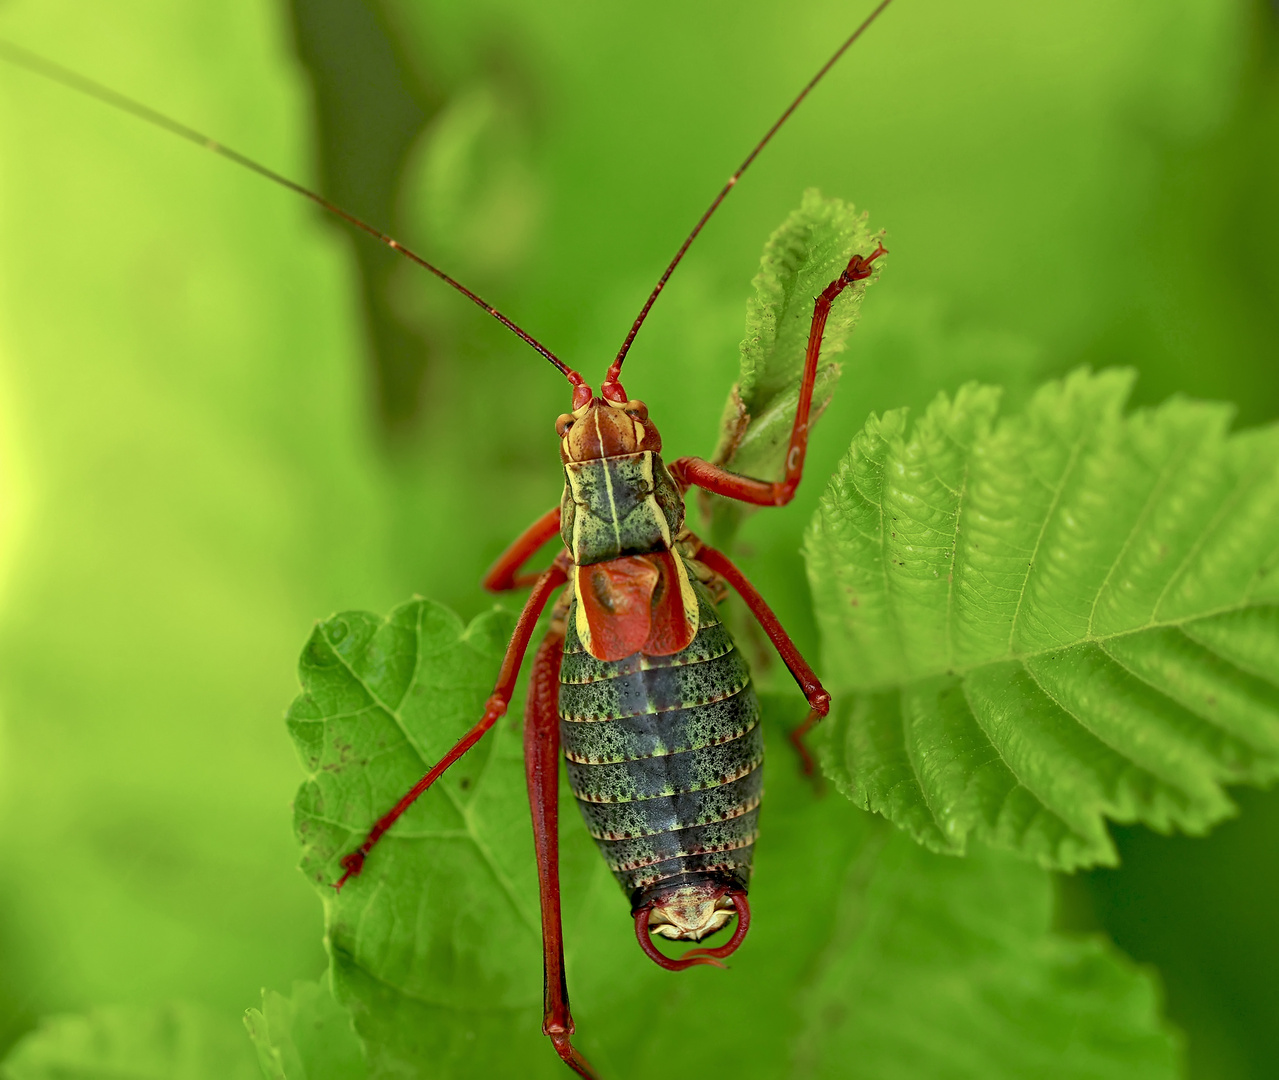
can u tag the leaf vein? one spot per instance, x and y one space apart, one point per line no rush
1227 504
1156 491
1043 527
961 494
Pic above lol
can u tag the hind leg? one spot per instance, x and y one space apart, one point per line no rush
542 766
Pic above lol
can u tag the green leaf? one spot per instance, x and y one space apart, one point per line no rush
808 251
947 969
178 1041
307 1036
1042 621
436 946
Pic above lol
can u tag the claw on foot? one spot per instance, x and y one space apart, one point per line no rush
806 764
352 864
859 265
819 706
569 1055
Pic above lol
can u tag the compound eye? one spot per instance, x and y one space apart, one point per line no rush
562 423
638 409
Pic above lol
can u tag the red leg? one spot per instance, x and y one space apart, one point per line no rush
806 762
555 576
818 698
542 766
504 574
691 471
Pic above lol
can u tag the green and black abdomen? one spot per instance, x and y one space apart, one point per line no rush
665 756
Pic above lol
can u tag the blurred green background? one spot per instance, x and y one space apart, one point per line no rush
221 417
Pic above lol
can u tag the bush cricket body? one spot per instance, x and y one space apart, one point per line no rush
637 677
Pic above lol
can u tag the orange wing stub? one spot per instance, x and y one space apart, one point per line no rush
635 604
614 601
674 607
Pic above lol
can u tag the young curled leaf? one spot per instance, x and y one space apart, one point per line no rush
809 250
1042 621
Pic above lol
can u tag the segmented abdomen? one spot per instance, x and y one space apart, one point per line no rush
665 757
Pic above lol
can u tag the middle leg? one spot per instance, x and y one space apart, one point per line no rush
817 695
694 471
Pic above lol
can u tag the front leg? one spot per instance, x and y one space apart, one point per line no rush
818 697
504 574
555 576
695 471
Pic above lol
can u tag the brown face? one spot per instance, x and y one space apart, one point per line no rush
603 428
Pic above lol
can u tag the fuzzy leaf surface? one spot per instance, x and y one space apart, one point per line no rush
1045 620
435 947
947 969
808 251
305 1036
178 1041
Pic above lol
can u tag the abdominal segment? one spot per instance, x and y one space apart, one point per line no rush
665 757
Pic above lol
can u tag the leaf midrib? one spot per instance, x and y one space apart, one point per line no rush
447 1005
960 495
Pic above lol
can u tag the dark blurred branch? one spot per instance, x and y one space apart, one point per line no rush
369 111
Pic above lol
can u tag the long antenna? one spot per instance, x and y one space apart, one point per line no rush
24 58
615 368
